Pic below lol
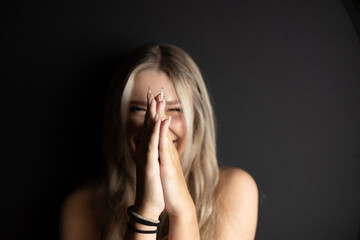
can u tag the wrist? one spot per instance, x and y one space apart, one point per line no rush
147 212
185 214
182 208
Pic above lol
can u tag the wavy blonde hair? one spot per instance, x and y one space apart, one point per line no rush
198 160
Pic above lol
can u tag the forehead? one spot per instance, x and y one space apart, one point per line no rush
155 80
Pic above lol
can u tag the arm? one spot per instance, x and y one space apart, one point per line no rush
184 226
149 200
178 202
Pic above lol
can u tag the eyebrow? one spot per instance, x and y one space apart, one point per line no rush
141 103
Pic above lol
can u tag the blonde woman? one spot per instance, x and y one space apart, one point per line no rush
163 178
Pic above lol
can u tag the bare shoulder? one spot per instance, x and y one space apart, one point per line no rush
232 179
238 201
77 219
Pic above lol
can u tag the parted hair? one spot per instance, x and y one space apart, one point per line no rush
198 160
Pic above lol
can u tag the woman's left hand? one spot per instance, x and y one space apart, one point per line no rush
176 194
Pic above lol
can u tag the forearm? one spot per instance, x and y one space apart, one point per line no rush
184 226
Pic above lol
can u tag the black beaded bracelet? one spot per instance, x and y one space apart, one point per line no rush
140 231
142 220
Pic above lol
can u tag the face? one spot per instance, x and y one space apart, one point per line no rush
155 80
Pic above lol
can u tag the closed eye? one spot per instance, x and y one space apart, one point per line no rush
134 109
174 110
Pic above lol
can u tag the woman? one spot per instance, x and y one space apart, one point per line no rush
159 140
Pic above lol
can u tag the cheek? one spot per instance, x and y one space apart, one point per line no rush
134 123
179 129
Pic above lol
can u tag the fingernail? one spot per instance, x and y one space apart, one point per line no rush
164 102
149 96
169 120
156 117
162 93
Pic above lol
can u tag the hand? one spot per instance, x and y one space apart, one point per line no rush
149 200
176 194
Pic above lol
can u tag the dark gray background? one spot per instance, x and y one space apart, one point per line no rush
284 77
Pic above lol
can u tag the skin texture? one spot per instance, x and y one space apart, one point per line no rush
156 144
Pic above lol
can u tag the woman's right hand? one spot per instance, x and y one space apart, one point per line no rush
149 200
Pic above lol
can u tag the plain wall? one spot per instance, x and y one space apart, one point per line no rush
284 78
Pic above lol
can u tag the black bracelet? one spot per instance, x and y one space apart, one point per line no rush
140 219
140 231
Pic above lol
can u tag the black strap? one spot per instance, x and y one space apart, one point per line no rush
140 231
140 220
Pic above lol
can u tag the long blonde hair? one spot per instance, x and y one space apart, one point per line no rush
198 161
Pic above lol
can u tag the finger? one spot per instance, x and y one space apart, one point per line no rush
161 106
148 96
160 96
164 141
151 109
154 140
149 119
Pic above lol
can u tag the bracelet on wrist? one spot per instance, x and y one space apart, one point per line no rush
141 231
142 220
